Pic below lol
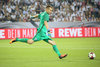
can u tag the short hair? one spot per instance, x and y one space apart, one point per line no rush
48 6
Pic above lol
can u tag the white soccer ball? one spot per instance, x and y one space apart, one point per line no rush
91 55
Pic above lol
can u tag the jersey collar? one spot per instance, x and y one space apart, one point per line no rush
46 12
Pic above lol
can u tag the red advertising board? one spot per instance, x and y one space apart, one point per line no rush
55 32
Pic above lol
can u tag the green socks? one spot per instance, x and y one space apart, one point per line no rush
56 50
22 40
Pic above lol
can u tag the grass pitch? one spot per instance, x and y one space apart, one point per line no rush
41 54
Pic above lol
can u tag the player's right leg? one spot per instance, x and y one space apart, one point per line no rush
50 41
29 41
56 49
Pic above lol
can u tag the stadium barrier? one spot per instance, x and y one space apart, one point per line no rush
55 32
51 24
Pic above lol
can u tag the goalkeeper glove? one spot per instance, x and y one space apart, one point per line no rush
49 34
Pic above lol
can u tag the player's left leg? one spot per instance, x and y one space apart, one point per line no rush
25 40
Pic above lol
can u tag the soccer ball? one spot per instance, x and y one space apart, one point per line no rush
91 55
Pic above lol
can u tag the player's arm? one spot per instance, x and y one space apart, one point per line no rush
48 30
35 16
46 24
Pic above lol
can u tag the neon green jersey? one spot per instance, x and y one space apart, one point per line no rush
41 31
44 16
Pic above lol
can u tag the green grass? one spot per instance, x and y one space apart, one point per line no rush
41 54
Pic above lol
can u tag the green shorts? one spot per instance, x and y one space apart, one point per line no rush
41 36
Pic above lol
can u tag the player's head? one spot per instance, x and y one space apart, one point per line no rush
49 9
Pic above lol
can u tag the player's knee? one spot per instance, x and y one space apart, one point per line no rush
52 42
30 41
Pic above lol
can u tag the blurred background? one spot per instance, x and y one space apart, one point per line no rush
74 26
64 10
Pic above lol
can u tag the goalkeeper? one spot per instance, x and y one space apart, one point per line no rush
41 32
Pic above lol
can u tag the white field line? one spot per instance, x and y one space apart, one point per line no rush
28 46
